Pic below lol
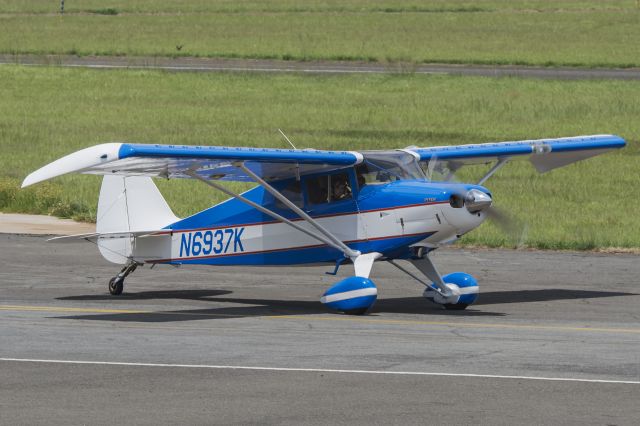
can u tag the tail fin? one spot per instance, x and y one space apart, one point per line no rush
129 204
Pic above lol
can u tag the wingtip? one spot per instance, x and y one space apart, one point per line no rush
75 162
28 181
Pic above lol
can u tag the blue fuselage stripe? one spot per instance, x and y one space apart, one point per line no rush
295 255
174 230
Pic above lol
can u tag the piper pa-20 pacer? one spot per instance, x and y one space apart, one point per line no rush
309 207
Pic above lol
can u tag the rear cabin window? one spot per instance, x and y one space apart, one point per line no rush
327 189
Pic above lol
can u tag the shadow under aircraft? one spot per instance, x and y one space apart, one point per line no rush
252 307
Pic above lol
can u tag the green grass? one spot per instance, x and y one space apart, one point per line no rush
46 113
385 6
589 33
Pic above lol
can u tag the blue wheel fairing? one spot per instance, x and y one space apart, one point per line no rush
353 295
462 284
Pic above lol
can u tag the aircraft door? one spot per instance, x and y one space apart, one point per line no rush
330 199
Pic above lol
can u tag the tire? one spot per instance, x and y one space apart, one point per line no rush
116 285
455 306
361 311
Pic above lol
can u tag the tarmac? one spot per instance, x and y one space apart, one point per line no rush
188 64
554 339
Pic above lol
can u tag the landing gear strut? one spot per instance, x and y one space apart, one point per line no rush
116 284
453 291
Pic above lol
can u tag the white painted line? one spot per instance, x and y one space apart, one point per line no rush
319 370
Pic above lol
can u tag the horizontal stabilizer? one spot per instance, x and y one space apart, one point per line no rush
94 236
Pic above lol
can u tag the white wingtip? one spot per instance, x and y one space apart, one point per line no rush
27 181
75 162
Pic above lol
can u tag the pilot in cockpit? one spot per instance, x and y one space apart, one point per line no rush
340 188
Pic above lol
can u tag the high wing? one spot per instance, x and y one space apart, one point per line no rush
221 163
209 162
544 154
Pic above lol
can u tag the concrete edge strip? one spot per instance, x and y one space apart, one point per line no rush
223 68
277 66
319 370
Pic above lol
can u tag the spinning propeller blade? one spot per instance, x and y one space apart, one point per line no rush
515 229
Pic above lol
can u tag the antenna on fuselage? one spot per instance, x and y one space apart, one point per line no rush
287 139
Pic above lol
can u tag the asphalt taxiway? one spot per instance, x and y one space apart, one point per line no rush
554 339
187 64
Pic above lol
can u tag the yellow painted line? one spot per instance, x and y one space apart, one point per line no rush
65 309
458 324
19 308
326 318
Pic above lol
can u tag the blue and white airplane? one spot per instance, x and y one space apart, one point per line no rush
309 207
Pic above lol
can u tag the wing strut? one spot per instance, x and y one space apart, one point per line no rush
501 162
268 212
336 242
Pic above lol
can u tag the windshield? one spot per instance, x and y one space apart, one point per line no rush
387 166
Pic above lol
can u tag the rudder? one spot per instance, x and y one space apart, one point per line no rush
129 204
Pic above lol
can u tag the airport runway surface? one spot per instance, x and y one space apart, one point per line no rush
554 339
182 64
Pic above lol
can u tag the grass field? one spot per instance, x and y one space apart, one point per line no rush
48 112
582 33
385 6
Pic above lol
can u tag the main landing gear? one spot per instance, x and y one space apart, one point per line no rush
453 291
116 284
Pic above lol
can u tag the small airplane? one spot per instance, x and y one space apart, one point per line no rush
309 207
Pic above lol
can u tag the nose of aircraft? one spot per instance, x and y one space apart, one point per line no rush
476 200
468 208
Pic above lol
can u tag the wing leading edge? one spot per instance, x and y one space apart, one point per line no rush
215 162
544 154
172 161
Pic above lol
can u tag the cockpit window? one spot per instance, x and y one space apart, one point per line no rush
293 192
382 167
329 188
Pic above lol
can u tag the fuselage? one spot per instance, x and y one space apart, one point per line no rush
385 217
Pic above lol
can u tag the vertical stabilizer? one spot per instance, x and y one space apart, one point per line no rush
129 204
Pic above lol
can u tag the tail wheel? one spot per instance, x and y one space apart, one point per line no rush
116 285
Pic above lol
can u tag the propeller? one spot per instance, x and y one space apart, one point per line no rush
514 228
475 200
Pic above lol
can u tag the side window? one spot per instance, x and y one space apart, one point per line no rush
370 174
326 189
293 192
340 187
